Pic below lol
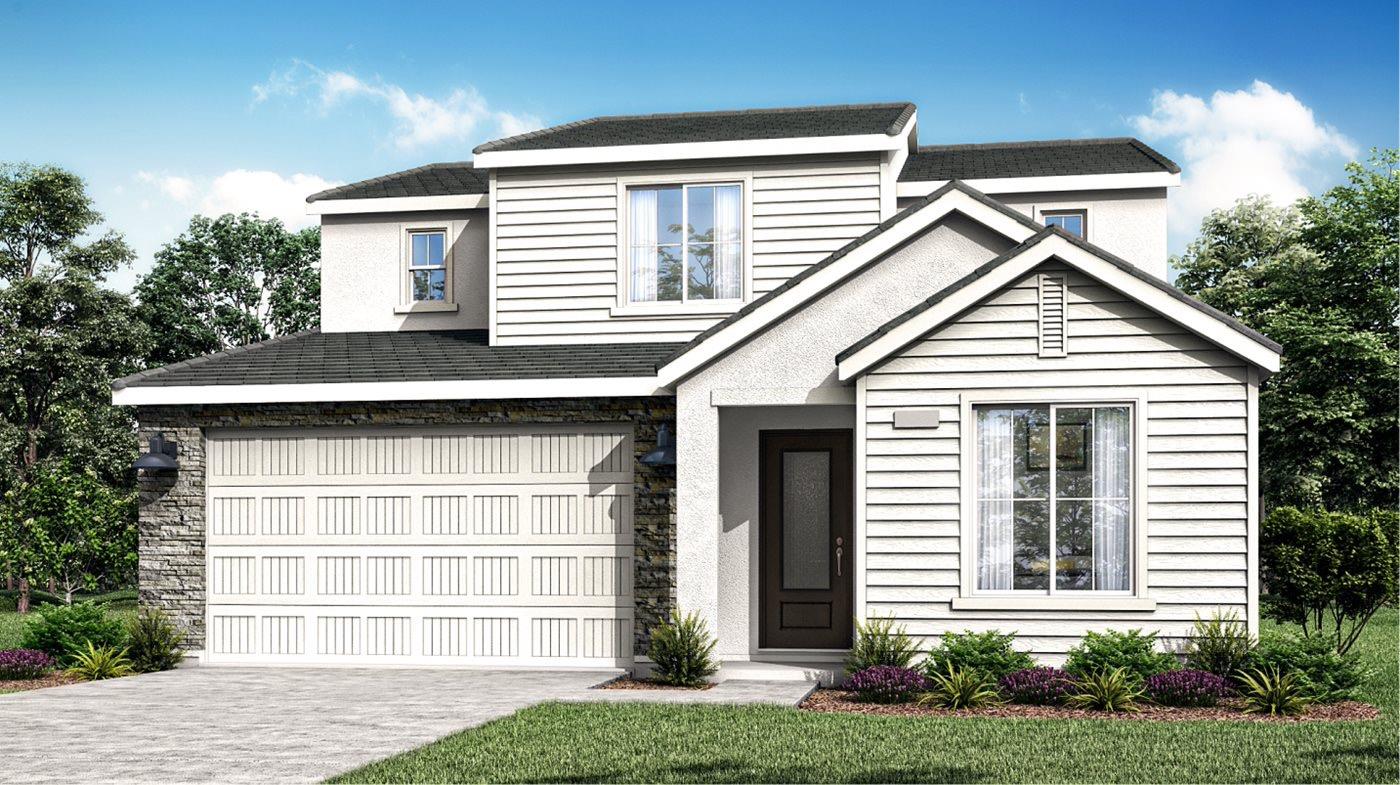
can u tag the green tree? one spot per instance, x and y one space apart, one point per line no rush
63 337
229 281
1320 278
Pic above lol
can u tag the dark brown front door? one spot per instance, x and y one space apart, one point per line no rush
805 546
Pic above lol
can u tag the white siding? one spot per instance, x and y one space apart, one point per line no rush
1196 461
556 242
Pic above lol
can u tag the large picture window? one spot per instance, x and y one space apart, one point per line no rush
1054 503
686 243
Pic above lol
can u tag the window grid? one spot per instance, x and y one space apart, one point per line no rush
685 243
432 272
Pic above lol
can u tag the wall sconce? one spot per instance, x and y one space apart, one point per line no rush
665 452
161 456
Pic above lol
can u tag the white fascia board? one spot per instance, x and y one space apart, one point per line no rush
831 275
396 204
389 391
1009 271
1075 182
749 148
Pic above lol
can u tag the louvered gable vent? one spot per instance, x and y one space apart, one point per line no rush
1054 305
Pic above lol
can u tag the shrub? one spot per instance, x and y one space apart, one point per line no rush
25 664
1267 692
97 663
1037 686
1219 645
1106 690
153 643
960 688
988 652
1329 569
1322 674
887 684
681 651
1134 651
1186 688
879 642
63 631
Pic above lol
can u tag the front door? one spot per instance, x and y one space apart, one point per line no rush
806 553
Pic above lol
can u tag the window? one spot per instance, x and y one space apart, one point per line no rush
427 266
1053 487
1076 222
686 243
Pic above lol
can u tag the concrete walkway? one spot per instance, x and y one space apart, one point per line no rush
283 724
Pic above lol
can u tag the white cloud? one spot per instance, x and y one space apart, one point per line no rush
1256 141
269 194
180 189
419 121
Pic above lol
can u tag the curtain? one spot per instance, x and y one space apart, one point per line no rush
728 275
1111 464
994 491
642 224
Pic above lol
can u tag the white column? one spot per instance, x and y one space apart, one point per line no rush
697 505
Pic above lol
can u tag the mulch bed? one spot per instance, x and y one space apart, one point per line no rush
629 683
845 701
55 679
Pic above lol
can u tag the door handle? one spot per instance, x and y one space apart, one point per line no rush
838 556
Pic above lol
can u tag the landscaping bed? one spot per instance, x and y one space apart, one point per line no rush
848 702
630 683
51 679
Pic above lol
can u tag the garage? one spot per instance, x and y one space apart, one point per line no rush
460 545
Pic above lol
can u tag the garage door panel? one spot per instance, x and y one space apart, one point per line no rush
463 545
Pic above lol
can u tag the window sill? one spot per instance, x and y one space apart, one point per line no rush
725 308
429 306
1045 603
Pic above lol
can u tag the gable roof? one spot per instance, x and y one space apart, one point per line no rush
841 264
1051 158
1053 242
441 179
718 126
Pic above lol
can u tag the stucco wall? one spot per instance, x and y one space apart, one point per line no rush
362 272
172 509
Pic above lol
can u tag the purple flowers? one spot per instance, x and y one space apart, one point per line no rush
1186 688
24 664
887 684
1037 686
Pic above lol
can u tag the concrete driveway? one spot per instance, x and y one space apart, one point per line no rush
253 724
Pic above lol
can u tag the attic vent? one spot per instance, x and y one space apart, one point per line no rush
1053 323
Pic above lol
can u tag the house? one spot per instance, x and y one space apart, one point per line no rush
783 368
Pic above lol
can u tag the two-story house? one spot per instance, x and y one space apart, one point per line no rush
784 368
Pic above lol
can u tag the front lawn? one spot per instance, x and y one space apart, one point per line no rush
651 743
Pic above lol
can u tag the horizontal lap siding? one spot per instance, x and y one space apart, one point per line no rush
557 244
1196 461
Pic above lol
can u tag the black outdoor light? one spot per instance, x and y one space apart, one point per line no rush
161 456
665 452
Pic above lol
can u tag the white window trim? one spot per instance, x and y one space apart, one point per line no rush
1040 211
406 302
624 307
969 597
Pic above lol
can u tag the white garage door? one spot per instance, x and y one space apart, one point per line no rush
507 545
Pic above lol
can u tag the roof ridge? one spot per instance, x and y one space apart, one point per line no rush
340 189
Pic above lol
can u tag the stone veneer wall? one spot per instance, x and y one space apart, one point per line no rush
173 508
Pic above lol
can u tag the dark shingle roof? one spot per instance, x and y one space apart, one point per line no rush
725 126
1122 155
409 356
445 179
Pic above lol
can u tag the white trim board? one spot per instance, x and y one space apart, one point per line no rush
389 391
1057 247
397 204
1072 182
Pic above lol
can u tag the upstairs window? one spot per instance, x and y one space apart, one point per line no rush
1076 222
685 243
427 266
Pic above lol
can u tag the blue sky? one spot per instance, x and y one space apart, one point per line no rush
169 109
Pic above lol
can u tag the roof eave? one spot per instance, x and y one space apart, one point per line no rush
747 148
1074 182
398 204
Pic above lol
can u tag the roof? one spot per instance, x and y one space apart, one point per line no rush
1122 265
315 357
442 179
721 126
1120 155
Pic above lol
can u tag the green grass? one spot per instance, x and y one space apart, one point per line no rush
650 743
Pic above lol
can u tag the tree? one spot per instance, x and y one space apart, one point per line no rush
229 281
63 337
71 528
1319 278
